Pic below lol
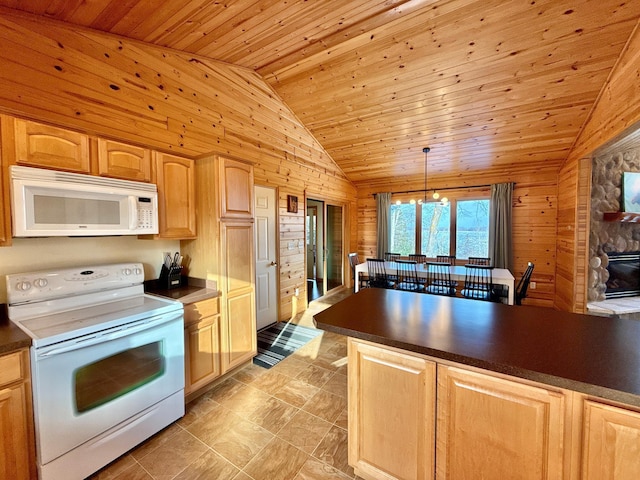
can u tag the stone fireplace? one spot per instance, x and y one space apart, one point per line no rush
607 237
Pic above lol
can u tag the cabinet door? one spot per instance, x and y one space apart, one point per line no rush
238 284
120 160
489 427
175 178
17 455
611 448
391 413
236 189
6 153
239 343
38 145
202 353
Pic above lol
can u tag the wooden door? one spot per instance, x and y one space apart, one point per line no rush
490 427
391 413
175 178
266 257
611 447
236 189
38 145
120 160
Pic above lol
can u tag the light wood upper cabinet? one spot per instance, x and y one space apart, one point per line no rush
611 443
38 145
236 189
175 178
491 427
6 150
391 413
120 160
17 455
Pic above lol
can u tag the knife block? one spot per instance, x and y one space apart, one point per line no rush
170 277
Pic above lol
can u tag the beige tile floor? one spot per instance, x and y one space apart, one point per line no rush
285 423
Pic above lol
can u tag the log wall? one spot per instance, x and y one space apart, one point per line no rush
132 92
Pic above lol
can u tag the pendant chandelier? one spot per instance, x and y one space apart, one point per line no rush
436 196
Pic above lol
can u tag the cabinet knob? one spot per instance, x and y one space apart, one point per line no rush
274 264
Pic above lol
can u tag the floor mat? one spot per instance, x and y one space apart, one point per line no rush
278 341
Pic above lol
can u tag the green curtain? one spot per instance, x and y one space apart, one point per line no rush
383 206
500 225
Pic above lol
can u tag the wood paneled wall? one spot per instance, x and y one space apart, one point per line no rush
615 114
133 92
535 208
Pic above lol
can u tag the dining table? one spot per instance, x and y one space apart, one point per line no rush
500 276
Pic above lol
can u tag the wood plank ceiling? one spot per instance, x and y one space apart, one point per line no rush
492 86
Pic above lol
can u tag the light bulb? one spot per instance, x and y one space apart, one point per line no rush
436 195
444 200
412 201
419 201
398 202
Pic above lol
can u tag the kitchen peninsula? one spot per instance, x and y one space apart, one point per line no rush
459 388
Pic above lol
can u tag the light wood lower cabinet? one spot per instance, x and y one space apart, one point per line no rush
17 452
391 413
467 425
611 445
201 344
490 427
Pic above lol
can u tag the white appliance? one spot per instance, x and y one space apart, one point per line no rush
48 203
107 363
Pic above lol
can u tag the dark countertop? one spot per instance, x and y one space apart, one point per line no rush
11 337
599 356
190 290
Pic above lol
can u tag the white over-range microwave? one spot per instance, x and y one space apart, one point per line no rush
51 203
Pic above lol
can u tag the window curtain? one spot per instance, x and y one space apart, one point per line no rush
500 224
383 206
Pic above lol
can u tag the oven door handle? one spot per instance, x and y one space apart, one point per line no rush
122 331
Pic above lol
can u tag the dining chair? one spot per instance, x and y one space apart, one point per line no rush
354 261
378 277
391 257
479 261
439 279
408 276
501 293
446 259
478 282
418 257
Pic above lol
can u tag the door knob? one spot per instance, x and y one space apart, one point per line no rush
274 264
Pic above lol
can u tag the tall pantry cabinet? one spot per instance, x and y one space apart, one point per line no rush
224 251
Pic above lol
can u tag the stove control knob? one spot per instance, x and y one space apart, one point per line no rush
137 271
23 286
127 271
40 282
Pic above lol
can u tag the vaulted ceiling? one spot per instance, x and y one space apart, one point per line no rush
489 85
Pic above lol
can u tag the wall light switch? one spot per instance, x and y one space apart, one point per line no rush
296 291
532 285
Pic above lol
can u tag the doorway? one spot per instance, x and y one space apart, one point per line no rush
324 240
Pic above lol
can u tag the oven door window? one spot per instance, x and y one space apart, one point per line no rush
109 378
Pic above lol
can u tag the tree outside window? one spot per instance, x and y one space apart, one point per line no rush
430 225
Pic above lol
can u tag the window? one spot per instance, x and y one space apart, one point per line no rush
430 225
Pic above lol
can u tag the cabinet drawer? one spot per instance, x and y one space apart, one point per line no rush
10 368
194 312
